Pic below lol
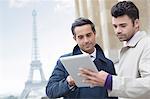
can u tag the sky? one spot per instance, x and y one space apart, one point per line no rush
54 19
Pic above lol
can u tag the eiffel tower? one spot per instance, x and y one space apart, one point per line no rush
31 84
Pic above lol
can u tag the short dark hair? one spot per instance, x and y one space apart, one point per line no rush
82 21
125 8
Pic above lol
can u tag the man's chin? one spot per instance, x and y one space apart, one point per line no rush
122 40
88 50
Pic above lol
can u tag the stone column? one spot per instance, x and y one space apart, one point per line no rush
104 27
90 8
77 9
83 8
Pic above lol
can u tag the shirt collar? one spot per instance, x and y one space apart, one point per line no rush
135 39
99 53
93 54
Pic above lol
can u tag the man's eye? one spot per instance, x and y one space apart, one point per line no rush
80 37
123 26
114 26
88 35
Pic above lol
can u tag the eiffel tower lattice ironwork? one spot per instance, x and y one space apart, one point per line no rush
31 84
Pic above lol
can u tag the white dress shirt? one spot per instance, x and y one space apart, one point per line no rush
93 55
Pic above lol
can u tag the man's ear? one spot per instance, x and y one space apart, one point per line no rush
137 23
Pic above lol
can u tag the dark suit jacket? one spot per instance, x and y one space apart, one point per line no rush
58 86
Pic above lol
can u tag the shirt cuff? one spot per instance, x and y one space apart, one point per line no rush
72 88
108 82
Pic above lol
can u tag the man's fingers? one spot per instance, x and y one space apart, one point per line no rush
86 72
91 82
89 78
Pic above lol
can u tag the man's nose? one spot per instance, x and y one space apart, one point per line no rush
86 39
118 30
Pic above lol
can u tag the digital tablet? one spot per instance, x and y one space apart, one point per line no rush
73 63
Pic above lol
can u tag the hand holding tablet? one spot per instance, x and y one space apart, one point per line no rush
73 63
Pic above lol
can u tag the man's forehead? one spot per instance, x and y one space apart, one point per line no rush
121 20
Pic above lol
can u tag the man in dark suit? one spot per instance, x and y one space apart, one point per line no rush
61 84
